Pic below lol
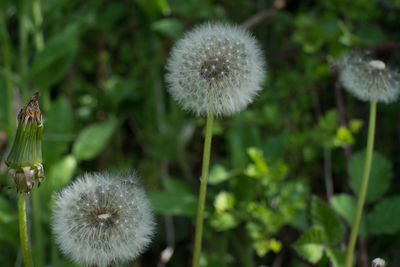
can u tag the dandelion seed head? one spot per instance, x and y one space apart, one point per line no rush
215 67
369 80
378 262
88 214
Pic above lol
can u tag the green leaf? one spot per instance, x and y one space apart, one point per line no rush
93 139
58 130
174 203
385 217
324 216
218 174
175 185
8 222
60 174
168 27
310 245
51 64
345 206
223 221
379 180
336 257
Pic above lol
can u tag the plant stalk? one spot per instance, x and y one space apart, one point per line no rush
37 227
364 186
203 191
23 230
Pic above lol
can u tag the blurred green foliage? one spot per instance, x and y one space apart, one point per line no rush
100 75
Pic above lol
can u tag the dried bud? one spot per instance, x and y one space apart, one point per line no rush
25 159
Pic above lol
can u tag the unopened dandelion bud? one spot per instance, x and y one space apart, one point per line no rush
103 219
25 159
215 67
378 262
369 80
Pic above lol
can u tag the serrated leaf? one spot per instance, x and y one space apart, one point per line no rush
385 217
336 257
93 139
379 180
324 216
345 206
310 245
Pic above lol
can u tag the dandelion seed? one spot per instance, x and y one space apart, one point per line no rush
86 219
369 80
228 77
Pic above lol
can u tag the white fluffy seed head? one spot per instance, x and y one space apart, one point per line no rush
103 219
369 80
378 262
215 67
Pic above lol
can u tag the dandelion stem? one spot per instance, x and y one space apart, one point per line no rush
37 227
364 186
23 231
203 190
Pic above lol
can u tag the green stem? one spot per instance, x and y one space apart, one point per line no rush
37 227
364 186
23 231
38 249
203 190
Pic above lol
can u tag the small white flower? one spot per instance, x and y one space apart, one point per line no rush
369 80
215 67
103 219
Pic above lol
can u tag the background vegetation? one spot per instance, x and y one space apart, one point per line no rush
284 173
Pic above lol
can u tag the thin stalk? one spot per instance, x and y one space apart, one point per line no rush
203 191
364 186
38 249
23 231
37 227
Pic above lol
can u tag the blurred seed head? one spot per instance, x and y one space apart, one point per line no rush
103 219
378 262
215 67
369 79
25 159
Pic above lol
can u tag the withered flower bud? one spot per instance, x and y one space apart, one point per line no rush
25 159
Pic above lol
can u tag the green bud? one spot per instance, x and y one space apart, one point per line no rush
25 159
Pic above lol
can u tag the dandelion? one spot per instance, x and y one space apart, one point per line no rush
369 80
215 67
103 219
378 262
